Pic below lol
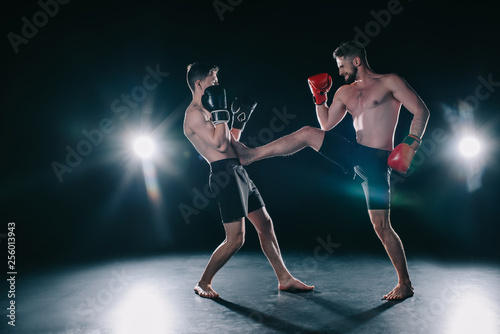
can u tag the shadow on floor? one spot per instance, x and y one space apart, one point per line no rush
350 318
270 321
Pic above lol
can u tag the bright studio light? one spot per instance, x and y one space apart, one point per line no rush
470 147
127 318
473 312
144 147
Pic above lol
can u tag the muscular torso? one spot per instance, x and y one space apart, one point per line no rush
196 132
374 110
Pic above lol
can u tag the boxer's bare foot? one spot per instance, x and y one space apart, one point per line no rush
205 291
294 285
245 154
400 292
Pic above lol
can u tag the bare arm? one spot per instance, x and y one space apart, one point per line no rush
411 101
213 135
328 118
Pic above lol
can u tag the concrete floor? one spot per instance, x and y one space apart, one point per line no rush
155 295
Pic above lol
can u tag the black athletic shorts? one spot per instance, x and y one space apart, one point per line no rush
370 164
234 191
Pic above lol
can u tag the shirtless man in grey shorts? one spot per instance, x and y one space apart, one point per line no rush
206 126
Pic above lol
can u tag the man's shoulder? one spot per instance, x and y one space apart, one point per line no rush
194 111
393 81
193 108
390 77
195 117
344 89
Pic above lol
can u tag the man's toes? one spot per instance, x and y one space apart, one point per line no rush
390 296
206 293
396 295
296 286
212 294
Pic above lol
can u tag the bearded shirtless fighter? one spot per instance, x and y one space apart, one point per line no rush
206 127
374 101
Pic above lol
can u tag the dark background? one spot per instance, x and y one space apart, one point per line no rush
65 78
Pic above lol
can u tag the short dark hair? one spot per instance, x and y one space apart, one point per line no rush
350 50
199 71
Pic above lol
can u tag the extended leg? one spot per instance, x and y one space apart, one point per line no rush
305 137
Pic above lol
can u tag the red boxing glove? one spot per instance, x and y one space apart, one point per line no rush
320 85
401 157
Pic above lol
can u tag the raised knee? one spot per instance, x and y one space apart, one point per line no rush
307 131
313 137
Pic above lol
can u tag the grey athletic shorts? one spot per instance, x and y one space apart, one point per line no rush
234 191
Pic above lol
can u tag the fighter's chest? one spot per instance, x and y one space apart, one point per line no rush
360 99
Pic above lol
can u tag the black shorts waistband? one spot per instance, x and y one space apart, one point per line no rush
365 153
223 164
366 148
